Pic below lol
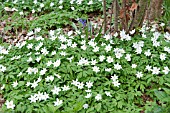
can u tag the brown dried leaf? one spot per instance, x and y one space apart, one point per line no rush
1 28
134 6
122 13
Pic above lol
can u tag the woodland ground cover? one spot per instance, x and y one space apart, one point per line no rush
81 70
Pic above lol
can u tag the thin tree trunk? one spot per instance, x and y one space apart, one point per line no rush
140 13
111 17
116 10
155 9
104 13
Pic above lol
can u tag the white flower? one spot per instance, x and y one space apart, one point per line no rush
56 90
108 69
63 46
60 7
162 24
33 98
98 97
93 62
139 50
2 68
15 84
41 5
128 57
166 70
33 11
167 49
114 78
89 84
35 70
30 59
57 75
37 30
147 53
57 63
42 72
58 102
62 53
117 66
80 85
155 70
132 32
123 34
118 55
90 2
30 33
49 78
88 90
108 48
85 106
96 69
96 49
45 96
108 94
103 44
39 80
116 83
2 87
70 59
49 63
115 34
10 104
156 43
134 65
167 36
28 84
39 96
74 45
51 4
162 56
109 59
139 74
143 35
149 68
38 59
65 88
101 58
34 84
107 37
29 46
88 95
44 51
72 8
83 47
92 43
75 82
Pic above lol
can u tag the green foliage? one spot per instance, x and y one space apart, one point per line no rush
166 16
114 88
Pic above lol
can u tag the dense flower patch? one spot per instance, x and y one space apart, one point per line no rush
72 72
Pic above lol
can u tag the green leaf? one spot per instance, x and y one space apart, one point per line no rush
98 106
78 106
160 95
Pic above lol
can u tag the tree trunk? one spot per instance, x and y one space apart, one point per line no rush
140 13
116 15
155 9
104 13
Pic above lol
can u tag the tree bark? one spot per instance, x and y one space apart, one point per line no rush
140 13
104 13
116 10
155 10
